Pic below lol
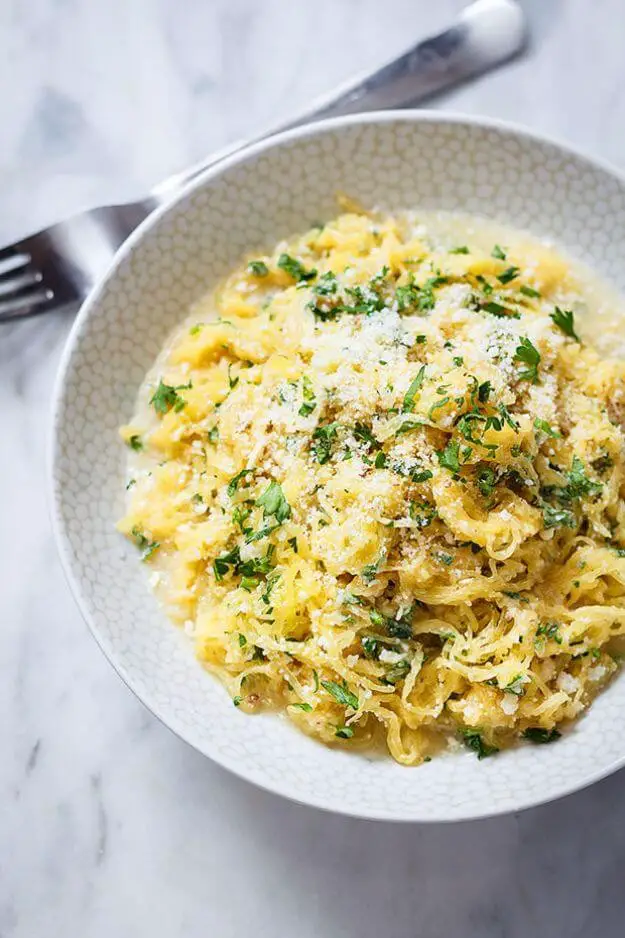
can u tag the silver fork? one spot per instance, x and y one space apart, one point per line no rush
57 267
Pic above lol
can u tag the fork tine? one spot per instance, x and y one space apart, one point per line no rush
10 262
18 305
15 284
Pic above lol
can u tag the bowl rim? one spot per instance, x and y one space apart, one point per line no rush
240 157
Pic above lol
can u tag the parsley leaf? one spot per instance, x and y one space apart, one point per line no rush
341 693
461 249
558 517
511 273
529 354
483 391
448 457
370 646
273 502
579 484
258 268
516 685
166 396
545 427
486 479
499 253
397 672
233 484
295 269
408 405
323 438
550 630
135 442
344 732
496 309
364 435
565 320
473 740
302 706
536 734
529 291
222 564
143 543
310 401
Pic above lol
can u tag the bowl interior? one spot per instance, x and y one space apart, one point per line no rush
275 190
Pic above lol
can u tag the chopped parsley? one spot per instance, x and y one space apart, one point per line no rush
341 693
236 480
448 458
166 397
486 479
213 435
565 320
232 382
511 273
240 516
145 545
323 439
473 740
258 268
529 291
483 391
135 442
250 570
516 685
302 706
499 253
558 517
422 513
409 398
308 394
364 435
370 646
397 672
326 286
396 628
295 269
536 734
274 504
496 309
344 732
545 427
550 630
578 483
461 249
485 285
418 297
530 356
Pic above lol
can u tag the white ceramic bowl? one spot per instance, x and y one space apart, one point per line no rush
274 189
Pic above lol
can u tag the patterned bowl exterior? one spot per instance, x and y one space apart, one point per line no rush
274 189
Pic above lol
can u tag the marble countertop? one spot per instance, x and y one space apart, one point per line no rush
109 825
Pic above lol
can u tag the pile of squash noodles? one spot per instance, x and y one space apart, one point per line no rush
378 478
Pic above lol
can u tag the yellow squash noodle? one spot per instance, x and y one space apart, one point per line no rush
378 477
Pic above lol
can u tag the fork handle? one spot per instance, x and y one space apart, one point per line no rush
486 33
